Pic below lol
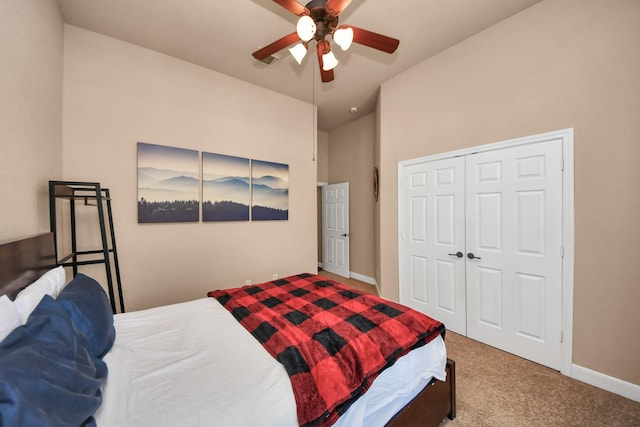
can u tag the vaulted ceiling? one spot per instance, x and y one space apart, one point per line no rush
222 34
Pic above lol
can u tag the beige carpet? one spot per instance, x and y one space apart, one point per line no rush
495 388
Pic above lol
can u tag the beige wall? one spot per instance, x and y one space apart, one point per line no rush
323 177
116 94
31 44
323 156
351 156
376 212
559 64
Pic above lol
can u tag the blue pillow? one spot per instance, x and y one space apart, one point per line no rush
89 309
47 375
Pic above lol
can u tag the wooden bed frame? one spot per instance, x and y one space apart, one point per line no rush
23 261
436 401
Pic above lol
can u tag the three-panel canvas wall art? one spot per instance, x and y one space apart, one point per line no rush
233 188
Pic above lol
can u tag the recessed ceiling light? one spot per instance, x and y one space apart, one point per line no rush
353 109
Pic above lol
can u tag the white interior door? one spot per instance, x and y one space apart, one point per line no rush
514 247
335 228
502 208
433 241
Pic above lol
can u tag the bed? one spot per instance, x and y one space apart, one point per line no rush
193 363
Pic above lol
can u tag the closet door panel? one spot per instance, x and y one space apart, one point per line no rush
514 231
432 234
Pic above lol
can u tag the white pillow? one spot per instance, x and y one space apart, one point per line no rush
50 283
9 317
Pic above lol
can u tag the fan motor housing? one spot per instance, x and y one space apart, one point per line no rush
325 23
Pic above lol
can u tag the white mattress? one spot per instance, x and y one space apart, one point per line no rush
193 364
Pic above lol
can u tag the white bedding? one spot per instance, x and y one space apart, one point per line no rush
193 364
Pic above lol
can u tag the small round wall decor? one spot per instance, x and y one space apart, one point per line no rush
376 184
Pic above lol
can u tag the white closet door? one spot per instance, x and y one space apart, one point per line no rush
514 248
503 209
432 241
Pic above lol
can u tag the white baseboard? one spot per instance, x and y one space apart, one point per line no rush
606 382
363 278
360 277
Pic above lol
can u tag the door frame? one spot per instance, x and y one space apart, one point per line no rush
568 221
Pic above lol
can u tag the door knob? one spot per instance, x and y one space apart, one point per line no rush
458 254
470 255
344 235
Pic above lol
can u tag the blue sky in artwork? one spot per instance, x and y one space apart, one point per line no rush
163 157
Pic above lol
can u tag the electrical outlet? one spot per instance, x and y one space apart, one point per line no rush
275 276
247 282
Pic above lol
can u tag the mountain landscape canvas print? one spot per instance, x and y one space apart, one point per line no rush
168 184
225 188
269 191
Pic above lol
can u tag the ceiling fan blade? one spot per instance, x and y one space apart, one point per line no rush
374 40
335 7
276 46
293 6
326 76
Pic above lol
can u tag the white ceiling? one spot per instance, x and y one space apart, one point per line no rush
222 34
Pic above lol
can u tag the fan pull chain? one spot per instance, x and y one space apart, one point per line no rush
313 109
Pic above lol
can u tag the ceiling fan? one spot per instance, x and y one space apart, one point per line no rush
318 19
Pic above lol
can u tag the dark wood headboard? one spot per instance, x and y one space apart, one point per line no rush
23 261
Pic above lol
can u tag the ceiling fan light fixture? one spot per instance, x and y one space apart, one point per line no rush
329 61
299 51
316 21
306 28
343 37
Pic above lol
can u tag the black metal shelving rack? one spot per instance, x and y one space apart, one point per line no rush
87 193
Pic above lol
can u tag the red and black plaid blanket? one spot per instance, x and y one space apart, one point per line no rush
332 340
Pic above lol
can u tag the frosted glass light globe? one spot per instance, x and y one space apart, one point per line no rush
343 37
329 61
298 52
306 28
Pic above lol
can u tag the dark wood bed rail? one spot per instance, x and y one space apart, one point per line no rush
435 402
23 261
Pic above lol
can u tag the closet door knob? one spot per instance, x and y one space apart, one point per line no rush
458 254
470 255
